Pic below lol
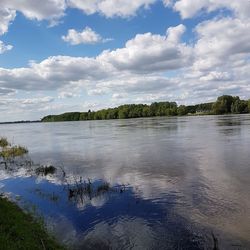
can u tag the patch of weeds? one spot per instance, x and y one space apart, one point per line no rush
45 170
8 151
12 152
82 189
3 142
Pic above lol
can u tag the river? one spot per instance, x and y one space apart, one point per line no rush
148 183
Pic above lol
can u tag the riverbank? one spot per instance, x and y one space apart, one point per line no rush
19 230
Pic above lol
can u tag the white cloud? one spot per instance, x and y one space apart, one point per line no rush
151 53
146 53
168 3
33 101
150 67
101 90
50 10
53 10
174 33
216 76
5 91
137 84
67 94
4 47
222 43
26 103
6 17
54 73
111 8
138 71
189 8
86 36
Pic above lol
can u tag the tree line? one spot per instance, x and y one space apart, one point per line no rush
225 104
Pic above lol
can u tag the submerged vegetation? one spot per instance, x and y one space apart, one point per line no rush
225 104
19 230
81 190
45 170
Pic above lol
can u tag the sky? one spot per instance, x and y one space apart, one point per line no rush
74 55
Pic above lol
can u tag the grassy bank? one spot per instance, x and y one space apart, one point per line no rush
19 230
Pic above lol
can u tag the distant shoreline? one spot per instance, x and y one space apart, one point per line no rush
188 115
225 104
15 122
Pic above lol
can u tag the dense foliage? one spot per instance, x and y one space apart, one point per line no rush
230 104
225 104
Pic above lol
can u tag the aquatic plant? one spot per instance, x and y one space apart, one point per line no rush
215 242
81 189
11 152
45 170
103 187
3 142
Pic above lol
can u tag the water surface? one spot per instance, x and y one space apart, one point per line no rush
174 183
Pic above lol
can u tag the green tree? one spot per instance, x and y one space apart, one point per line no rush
182 110
239 106
223 104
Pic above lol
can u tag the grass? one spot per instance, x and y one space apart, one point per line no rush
19 230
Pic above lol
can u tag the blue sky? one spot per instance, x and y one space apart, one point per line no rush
58 55
33 40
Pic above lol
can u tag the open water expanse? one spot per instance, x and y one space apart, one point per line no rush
151 183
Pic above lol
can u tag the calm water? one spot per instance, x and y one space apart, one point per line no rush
173 182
